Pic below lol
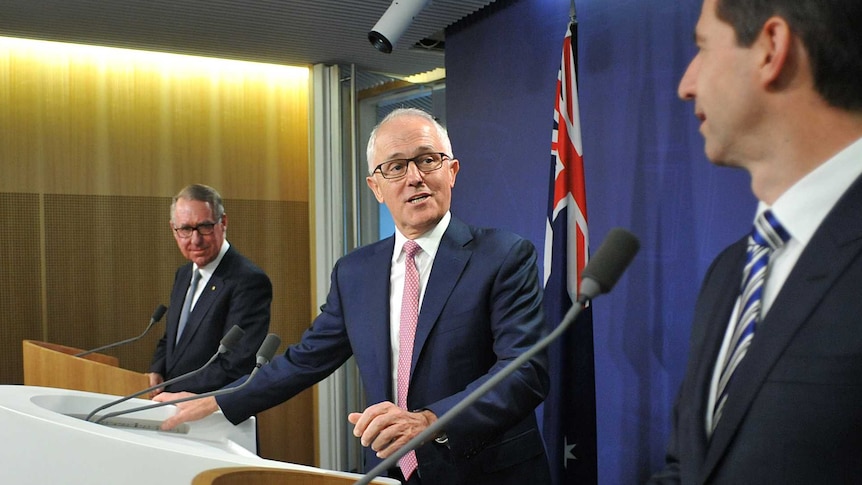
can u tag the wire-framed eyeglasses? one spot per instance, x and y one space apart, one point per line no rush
204 229
397 168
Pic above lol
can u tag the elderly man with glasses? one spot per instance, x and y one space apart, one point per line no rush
217 289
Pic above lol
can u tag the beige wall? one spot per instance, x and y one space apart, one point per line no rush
93 144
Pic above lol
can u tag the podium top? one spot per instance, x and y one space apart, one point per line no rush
64 349
44 443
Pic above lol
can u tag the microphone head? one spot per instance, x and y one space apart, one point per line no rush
158 313
608 264
268 349
230 339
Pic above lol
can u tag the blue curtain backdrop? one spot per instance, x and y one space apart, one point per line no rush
644 168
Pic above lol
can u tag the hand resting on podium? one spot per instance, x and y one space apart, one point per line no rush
192 410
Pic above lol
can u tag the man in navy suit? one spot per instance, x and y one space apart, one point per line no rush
480 308
229 290
777 86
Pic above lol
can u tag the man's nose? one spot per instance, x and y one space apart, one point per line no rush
686 88
413 173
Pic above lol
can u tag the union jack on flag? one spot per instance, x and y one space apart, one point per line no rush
570 409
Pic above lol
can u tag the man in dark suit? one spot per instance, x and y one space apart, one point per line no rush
481 307
218 289
777 85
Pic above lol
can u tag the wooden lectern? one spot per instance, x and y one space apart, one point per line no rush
52 365
273 476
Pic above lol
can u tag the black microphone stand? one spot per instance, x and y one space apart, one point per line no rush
233 336
264 355
157 315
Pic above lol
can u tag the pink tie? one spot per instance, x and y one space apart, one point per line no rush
407 331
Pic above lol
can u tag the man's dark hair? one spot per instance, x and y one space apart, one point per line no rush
830 30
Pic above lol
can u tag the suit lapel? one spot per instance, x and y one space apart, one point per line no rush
374 300
449 263
836 242
178 294
209 295
715 317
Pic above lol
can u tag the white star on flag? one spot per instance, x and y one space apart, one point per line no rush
567 452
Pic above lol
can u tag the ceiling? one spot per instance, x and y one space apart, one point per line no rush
292 32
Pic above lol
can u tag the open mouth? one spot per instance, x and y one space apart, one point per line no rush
418 199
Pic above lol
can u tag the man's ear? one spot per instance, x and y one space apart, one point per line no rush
454 167
375 187
775 44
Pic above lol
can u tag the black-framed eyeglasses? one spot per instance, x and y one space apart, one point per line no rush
397 168
204 229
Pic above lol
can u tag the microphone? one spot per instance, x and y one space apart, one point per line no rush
227 342
157 315
599 277
264 355
610 261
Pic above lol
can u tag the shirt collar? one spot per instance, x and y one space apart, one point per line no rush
804 205
208 269
429 242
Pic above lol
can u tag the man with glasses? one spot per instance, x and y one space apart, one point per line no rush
217 289
426 334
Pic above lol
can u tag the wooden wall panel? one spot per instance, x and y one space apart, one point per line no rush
116 122
20 281
110 260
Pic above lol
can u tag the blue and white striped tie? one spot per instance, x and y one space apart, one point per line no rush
768 235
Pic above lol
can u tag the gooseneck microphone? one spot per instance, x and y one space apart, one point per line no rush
608 264
157 315
599 277
264 355
225 345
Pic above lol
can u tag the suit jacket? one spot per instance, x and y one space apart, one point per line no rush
238 293
794 409
482 308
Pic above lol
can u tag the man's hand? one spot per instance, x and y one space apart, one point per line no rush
187 411
385 427
155 379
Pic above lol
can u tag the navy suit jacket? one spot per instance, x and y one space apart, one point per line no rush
481 309
794 408
238 293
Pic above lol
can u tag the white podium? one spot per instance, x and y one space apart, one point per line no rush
46 440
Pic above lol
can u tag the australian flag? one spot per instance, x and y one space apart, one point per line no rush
570 409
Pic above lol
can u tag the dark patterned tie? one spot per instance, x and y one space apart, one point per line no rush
767 236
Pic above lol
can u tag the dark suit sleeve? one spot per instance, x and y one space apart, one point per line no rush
321 350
